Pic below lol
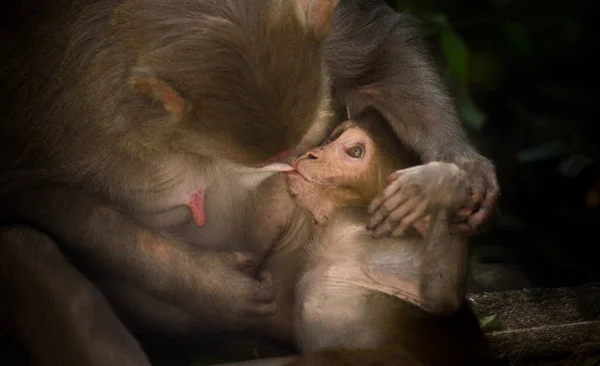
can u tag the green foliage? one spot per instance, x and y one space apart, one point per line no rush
524 69
592 361
505 55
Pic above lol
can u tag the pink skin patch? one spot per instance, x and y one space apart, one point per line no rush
197 206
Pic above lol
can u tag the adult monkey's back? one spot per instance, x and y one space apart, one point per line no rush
116 133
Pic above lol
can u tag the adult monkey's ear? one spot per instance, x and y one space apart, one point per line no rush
148 84
317 15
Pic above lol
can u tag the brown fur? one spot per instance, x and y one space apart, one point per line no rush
117 112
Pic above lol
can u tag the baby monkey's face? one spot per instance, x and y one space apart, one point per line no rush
338 162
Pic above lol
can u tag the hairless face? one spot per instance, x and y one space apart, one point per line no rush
337 162
334 173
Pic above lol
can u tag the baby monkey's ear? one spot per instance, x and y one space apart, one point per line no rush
148 84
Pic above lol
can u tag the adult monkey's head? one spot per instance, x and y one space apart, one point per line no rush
350 168
237 79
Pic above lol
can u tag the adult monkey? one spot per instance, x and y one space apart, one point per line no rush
121 117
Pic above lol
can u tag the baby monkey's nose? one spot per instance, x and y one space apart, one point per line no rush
311 156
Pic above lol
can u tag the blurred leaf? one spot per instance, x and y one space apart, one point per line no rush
457 60
419 8
591 361
508 221
473 116
457 56
545 151
571 28
439 19
518 37
490 323
574 164
485 71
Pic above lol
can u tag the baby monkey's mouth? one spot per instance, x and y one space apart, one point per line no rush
298 173
295 172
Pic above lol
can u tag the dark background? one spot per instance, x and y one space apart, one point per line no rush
524 77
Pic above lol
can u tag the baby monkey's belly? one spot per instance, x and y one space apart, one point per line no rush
336 309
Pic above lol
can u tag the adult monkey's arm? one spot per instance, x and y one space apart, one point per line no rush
376 57
203 282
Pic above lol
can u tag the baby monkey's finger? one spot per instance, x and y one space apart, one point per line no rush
389 191
383 229
395 175
417 214
377 201
385 209
399 214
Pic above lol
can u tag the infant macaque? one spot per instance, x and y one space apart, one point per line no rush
359 300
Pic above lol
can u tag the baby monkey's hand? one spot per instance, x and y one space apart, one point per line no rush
415 193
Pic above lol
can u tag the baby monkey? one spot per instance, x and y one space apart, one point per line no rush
360 300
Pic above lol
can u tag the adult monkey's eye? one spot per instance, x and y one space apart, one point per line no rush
355 151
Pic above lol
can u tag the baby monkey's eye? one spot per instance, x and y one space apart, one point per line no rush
355 151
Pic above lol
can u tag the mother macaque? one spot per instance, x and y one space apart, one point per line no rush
360 300
136 134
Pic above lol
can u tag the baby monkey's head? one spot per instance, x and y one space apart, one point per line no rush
350 168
